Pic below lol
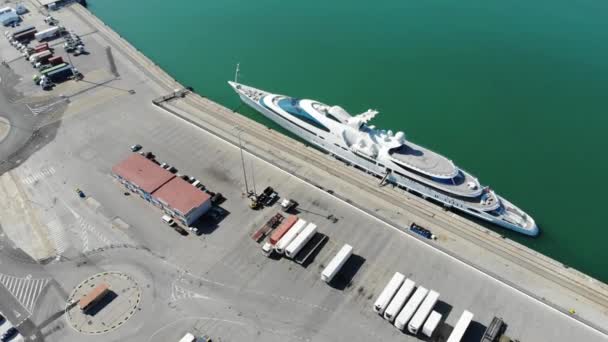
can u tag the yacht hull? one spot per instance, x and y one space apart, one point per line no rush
426 192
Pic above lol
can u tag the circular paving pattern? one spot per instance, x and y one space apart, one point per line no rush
5 127
116 307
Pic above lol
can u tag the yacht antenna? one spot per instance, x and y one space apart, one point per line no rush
236 73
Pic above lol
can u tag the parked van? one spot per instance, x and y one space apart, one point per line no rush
168 220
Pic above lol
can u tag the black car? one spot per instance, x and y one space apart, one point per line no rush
10 333
2 319
271 199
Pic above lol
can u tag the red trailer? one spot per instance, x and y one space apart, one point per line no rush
55 60
41 47
282 229
266 228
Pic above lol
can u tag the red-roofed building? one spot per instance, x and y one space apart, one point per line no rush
141 175
175 196
182 200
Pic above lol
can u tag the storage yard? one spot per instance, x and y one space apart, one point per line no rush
313 268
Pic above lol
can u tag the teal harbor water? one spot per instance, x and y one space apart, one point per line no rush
516 92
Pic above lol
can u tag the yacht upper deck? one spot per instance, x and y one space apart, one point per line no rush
424 160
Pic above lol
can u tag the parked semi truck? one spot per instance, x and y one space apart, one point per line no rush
300 240
423 312
51 32
399 300
388 293
25 36
10 35
431 323
461 326
57 76
336 263
410 307
41 57
45 72
289 236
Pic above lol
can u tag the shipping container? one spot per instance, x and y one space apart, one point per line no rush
282 229
55 60
423 312
41 47
399 300
461 327
300 240
33 57
289 236
41 56
56 67
431 323
61 74
388 293
336 263
410 308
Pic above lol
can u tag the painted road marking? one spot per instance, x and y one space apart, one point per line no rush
57 235
44 172
25 289
179 293
87 227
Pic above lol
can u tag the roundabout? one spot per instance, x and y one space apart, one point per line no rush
116 307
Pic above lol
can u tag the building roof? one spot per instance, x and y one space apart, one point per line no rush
181 195
93 295
142 172
8 17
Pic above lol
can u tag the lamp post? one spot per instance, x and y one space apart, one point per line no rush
243 160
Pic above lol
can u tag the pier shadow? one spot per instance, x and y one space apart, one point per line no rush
443 308
474 332
344 278
103 302
323 241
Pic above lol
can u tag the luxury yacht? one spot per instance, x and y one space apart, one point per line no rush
388 155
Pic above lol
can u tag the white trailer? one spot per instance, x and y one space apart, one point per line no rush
289 236
336 263
296 245
48 33
399 300
389 291
188 338
431 323
461 326
423 312
410 307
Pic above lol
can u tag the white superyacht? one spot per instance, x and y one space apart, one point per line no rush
388 155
